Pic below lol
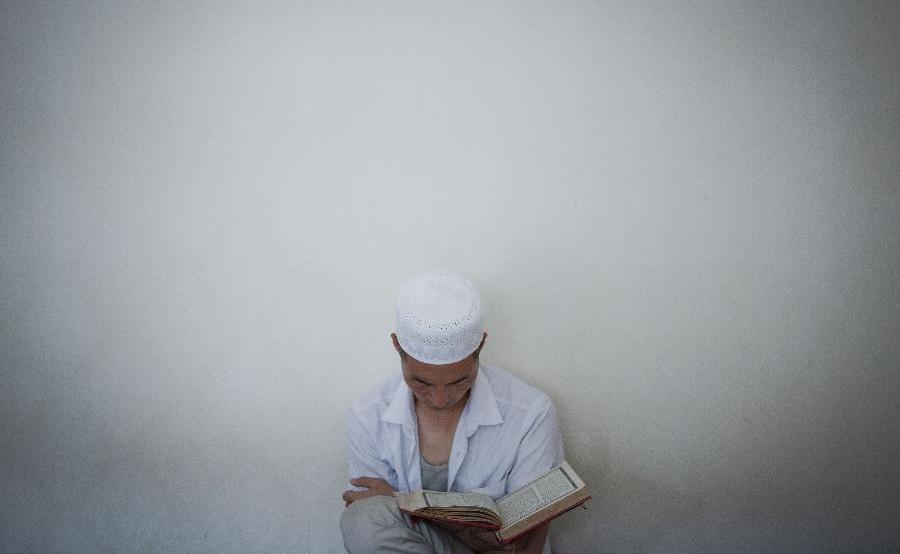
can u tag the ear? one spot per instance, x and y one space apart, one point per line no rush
480 346
396 343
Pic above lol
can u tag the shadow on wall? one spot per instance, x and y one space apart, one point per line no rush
628 512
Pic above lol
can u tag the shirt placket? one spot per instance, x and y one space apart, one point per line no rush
459 450
411 456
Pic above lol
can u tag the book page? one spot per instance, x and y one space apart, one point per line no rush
520 504
435 499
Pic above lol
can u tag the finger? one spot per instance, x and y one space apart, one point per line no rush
350 496
357 495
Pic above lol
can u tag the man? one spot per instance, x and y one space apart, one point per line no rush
449 423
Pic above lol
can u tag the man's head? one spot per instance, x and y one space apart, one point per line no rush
439 386
440 334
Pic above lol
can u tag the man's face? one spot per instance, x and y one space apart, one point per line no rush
440 387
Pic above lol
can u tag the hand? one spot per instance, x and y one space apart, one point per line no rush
485 542
479 540
377 487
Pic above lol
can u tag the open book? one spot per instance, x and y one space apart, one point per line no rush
553 493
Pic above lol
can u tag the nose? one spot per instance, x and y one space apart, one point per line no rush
440 398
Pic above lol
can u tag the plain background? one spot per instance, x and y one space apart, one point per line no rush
682 218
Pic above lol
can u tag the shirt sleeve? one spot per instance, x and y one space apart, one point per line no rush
540 451
364 459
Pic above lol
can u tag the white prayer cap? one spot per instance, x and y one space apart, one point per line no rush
439 317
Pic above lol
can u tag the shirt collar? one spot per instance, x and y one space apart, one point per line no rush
481 408
400 410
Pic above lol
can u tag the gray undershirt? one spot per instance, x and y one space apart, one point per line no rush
434 478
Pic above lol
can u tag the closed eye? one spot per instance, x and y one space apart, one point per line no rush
452 384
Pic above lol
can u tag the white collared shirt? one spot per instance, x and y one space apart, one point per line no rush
507 435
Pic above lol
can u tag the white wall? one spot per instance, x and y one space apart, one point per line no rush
682 217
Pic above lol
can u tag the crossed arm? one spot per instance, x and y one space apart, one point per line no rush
478 540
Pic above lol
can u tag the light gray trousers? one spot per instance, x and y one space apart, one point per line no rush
375 525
